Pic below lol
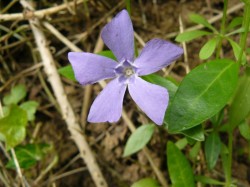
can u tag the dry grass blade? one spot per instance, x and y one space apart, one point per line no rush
66 109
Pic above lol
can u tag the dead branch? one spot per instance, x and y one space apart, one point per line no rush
38 13
66 109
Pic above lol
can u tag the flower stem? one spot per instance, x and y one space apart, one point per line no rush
245 25
222 29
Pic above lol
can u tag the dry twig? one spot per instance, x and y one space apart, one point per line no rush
38 13
66 109
184 46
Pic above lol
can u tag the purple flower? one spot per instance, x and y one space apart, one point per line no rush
90 68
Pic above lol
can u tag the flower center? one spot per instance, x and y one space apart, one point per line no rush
125 71
128 71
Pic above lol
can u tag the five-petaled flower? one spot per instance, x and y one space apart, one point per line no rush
89 68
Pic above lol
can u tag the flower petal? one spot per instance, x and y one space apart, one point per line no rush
118 35
155 55
90 68
108 104
151 98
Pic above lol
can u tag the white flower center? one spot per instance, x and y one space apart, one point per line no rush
128 71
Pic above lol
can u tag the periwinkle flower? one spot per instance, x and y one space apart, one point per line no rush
90 68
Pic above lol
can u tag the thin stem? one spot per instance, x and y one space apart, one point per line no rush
222 28
230 155
245 25
128 6
8 6
19 172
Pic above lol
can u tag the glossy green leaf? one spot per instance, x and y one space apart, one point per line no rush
245 130
12 126
179 168
17 93
208 49
201 20
202 94
147 182
164 82
236 50
139 139
195 133
240 106
30 107
190 35
208 180
212 149
29 154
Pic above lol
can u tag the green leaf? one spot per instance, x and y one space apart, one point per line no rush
236 50
12 126
179 168
196 133
195 151
108 54
248 50
237 31
208 49
208 180
139 139
6 111
181 143
240 107
16 95
190 141
245 130
217 118
30 107
201 20
202 94
67 71
237 21
29 154
147 182
190 35
164 82
212 149
247 2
